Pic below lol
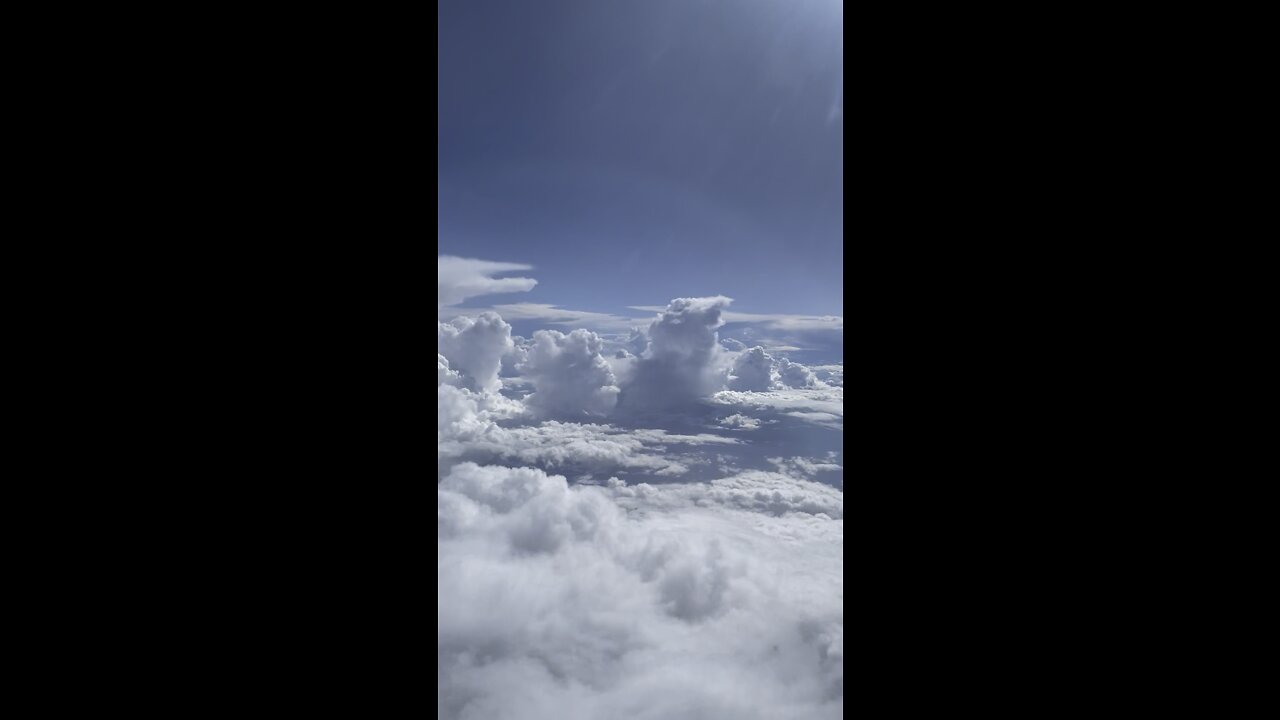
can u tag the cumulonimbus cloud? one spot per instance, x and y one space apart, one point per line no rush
684 359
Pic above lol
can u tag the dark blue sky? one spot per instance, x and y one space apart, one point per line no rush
643 150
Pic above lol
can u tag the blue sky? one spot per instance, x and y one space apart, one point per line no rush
636 152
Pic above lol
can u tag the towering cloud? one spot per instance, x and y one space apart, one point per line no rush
474 347
752 371
570 378
684 359
795 375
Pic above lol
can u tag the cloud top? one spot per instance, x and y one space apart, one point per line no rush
684 359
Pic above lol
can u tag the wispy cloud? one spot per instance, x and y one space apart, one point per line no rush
772 321
458 279
555 315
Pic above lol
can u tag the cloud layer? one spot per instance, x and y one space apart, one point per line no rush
644 524
621 601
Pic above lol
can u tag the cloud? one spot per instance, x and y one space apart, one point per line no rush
830 374
574 448
804 467
513 359
474 347
555 315
740 421
684 359
458 279
795 375
752 370
638 601
819 405
444 375
637 342
773 321
569 376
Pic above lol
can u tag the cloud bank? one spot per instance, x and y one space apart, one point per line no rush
635 525
638 601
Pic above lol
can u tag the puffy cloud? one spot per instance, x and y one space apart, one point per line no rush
804 467
752 370
474 347
732 344
684 359
569 376
559 601
795 375
444 375
830 374
512 361
637 342
457 414
740 421
460 278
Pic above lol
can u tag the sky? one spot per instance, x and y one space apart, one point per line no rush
635 152
640 360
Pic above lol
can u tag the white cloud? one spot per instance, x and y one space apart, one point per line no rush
569 376
795 375
460 278
444 375
804 467
580 602
554 315
740 421
752 370
571 447
831 420
830 374
773 321
637 342
474 347
684 359
820 405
